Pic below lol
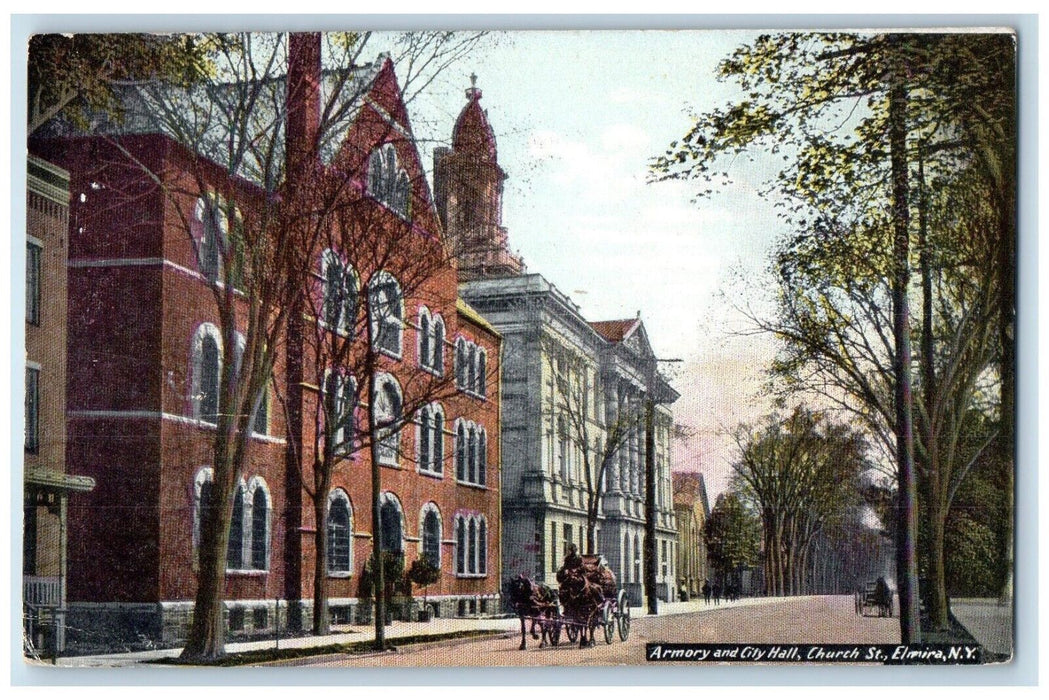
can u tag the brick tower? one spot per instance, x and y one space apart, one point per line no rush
468 184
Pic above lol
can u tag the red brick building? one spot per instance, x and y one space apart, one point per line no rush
144 359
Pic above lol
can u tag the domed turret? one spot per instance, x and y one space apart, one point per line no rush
468 192
473 134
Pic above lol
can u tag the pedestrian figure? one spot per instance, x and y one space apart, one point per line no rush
716 590
706 592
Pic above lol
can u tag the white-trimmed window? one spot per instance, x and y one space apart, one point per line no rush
430 529
340 533
388 181
431 341
471 445
257 522
235 547
389 413
471 545
338 292
206 372
386 313
260 420
391 523
340 404
430 440
471 362
209 228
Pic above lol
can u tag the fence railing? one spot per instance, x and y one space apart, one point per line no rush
42 590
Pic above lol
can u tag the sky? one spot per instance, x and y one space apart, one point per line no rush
577 116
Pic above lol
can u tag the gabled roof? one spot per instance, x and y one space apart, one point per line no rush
616 331
690 489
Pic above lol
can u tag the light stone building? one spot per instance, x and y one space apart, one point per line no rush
550 350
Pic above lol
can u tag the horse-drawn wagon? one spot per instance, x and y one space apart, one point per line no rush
587 599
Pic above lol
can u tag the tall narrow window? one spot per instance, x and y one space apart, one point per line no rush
338 532
460 545
471 367
209 379
471 455
438 441
460 452
482 458
425 341
432 537
460 363
212 225
482 383
32 409
471 539
32 281
389 410
259 529
262 415
386 311
235 549
482 547
391 532
438 345
339 307
425 436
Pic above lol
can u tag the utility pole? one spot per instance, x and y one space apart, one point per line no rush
651 564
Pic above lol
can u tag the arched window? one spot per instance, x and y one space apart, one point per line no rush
210 236
482 458
431 535
340 402
438 440
438 345
391 524
482 546
389 414
471 454
471 539
206 372
425 341
460 363
482 382
386 311
339 293
387 180
563 459
202 501
235 549
425 437
339 533
260 524
460 451
460 545
471 367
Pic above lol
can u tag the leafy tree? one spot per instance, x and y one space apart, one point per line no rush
732 535
864 123
77 74
800 473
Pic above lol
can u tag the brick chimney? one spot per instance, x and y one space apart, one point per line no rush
304 78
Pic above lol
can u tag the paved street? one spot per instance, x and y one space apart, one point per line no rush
809 619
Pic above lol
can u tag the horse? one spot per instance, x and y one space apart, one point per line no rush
537 603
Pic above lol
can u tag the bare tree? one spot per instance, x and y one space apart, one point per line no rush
588 424
254 210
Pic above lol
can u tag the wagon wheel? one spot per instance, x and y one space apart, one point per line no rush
608 621
624 616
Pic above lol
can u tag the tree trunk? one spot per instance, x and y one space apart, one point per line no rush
910 632
321 621
937 595
378 578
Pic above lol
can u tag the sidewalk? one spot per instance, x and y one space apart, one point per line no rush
988 621
342 634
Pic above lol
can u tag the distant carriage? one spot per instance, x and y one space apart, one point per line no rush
874 598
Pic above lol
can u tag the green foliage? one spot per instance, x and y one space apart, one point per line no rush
422 573
76 74
732 535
